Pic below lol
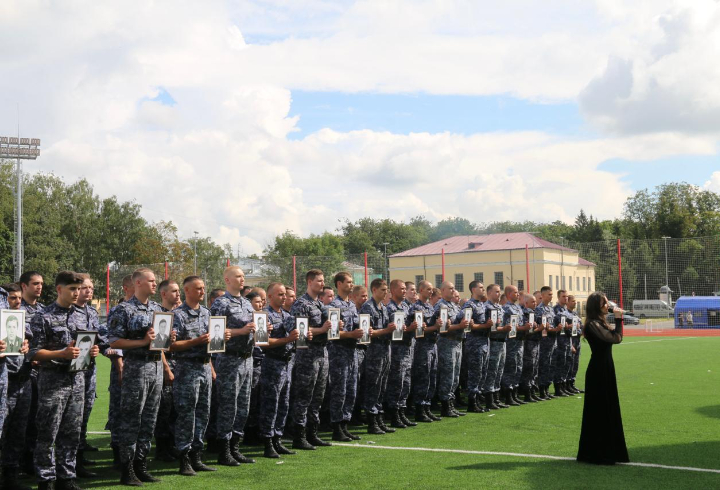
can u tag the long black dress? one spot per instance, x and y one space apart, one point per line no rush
602 440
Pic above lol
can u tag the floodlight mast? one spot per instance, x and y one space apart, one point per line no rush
20 149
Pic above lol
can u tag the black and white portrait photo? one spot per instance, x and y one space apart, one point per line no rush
216 330
162 325
12 331
365 326
84 342
419 319
301 323
334 318
261 328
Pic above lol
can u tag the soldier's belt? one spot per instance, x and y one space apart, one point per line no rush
143 356
283 355
237 353
194 360
497 340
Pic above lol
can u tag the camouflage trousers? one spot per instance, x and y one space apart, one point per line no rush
547 347
343 381
531 363
310 375
252 420
141 387
399 377
496 366
477 351
90 396
19 396
3 393
377 366
59 417
513 363
233 386
113 419
165 425
191 393
449 362
360 395
560 361
31 433
575 358
424 371
274 404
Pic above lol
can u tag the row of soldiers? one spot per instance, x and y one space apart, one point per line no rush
518 348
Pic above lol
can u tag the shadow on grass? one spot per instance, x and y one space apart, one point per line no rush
709 411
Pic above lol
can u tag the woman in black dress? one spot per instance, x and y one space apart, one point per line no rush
602 440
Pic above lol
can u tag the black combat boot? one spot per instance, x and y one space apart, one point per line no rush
312 436
197 464
299 441
405 419
490 402
344 428
89 448
338 434
431 415
455 410
80 469
498 401
82 459
140 467
509 400
567 387
421 416
577 390
515 394
224 456
68 484
446 411
127 476
186 468
559 391
270 451
534 395
381 424
373 427
395 419
10 479
279 448
527 393
116 455
235 451
459 400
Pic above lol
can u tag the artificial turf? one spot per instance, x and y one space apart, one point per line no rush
670 400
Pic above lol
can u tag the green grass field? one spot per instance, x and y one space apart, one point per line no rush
670 399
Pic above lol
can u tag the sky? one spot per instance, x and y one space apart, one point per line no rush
243 119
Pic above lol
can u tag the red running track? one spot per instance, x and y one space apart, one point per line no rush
673 332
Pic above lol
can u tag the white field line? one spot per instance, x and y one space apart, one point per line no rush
522 455
657 340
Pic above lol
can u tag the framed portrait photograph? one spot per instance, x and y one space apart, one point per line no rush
262 335
365 327
563 323
399 321
494 317
12 331
531 318
514 319
84 341
544 321
301 323
216 329
419 319
575 323
162 323
444 319
467 315
334 319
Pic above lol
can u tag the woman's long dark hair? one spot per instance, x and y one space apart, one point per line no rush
594 305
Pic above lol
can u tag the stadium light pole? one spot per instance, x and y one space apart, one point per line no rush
20 149
195 251
667 283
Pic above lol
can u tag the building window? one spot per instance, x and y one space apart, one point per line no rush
459 283
499 279
557 283
563 282
584 284
569 283
521 285
550 280
589 284
418 279
438 280
577 280
479 276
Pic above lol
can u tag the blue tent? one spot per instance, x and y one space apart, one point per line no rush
697 312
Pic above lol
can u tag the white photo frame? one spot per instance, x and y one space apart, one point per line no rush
575 323
84 341
467 315
262 334
420 330
12 331
399 321
334 319
301 324
494 318
514 319
364 319
216 329
444 319
162 324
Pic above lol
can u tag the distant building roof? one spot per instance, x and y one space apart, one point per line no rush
483 243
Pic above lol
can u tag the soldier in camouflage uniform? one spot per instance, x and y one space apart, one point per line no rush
563 321
193 376
514 347
276 373
61 393
130 329
398 385
17 403
496 355
531 351
234 368
359 297
477 346
546 315
572 358
377 359
424 369
310 373
342 356
449 350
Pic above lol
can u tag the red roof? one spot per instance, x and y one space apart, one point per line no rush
484 243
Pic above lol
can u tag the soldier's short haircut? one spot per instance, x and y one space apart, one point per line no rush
491 287
85 276
424 283
127 281
216 293
312 274
165 285
289 288
545 288
139 273
377 283
474 284
395 283
357 289
190 279
436 292
273 285
408 284
12 288
27 276
231 269
66 278
245 290
509 288
252 295
561 291
571 296
341 276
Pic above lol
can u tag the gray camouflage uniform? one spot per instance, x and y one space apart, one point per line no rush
562 349
477 348
496 362
547 345
377 357
342 356
86 318
513 348
449 352
398 384
425 361
531 354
